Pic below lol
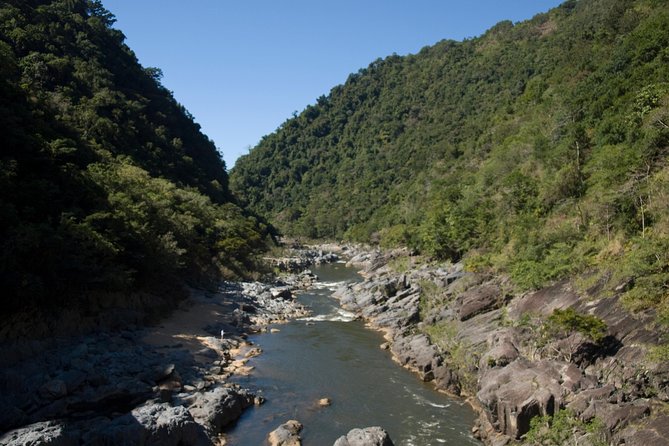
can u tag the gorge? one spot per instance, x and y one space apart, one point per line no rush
493 213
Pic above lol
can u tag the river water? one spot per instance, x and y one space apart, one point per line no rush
330 355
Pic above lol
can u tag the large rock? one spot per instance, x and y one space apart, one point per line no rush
151 425
654 431
219 407
502 350
286 435
478 300
48 433
515 394
418 354
369 436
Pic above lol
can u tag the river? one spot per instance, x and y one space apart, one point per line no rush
329 355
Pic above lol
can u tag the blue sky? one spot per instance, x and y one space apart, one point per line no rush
243 67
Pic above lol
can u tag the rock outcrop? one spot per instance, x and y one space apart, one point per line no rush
369 436
288 434
123 388
489 346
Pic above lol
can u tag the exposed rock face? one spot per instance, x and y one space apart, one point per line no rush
479 300
219 407
45 433
522 390
513 374
369 436
154 425
286 435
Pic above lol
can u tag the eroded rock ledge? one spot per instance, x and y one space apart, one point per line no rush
470 337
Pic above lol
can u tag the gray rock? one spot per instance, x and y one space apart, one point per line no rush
418 354
369 436
152 425
217 408
286 435
502 351
48 433
617 416
654 431
515 394
478 300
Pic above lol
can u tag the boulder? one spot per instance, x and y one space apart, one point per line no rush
48 433
515 394
151 425
500 355
417 353
369 436
654 431
286 435
219 407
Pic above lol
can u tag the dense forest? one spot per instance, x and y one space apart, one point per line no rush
537 150
106 182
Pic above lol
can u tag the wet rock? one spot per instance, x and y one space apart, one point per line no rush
286 435
324 402
369 436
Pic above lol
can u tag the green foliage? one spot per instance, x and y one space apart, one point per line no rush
538 143
563 322
460 356
564 428
106 182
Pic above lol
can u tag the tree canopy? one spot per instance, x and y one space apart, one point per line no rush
106 182
538 149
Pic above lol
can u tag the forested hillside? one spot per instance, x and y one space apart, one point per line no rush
106 182
537 150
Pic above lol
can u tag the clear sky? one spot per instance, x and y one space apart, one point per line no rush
243 67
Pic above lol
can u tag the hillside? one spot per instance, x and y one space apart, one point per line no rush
537 150
107 185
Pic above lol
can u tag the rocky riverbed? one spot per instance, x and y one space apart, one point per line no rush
161 385
470 336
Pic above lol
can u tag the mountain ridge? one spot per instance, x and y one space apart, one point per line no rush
536 150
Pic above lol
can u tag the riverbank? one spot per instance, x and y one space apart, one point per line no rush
167 384
471 336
